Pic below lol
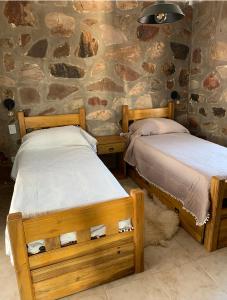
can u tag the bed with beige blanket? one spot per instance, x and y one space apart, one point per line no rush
187 173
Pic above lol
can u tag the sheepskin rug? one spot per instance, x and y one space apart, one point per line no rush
160 222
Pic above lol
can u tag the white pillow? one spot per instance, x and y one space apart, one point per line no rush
152 126
56 137
91 140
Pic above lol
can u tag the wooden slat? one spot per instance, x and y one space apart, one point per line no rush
213 226
21 121
82 262
83 236
55 224
138 114
79 280
112 228
52 121
52 243
69 252
104 277
20 256
138 223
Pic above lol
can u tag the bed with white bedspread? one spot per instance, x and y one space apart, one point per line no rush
59 169
87 229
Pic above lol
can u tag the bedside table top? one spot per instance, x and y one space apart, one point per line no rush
110 139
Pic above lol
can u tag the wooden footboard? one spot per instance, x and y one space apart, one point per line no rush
61 271
216 228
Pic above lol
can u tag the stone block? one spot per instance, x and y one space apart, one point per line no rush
66 71
29 95
60 24
105 84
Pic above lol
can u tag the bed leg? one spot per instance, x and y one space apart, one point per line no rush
213 226
138 223
20 256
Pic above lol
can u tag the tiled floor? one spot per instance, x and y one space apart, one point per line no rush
181 271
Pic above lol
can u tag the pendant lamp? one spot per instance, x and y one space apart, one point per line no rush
161 12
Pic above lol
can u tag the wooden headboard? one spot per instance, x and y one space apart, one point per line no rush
131 115
38 122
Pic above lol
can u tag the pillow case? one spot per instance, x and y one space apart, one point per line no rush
91 140
56 137
152 126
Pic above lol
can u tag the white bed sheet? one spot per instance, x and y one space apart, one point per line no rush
60 178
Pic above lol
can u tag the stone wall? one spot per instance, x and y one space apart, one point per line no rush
60 55
208 80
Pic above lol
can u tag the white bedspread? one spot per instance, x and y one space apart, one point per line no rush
180 164
60 178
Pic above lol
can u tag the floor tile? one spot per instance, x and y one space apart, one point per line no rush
194 249
159 258
187 282
139 289
127 279
8 283
216 266
97 293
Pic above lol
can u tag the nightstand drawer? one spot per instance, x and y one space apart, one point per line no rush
111 148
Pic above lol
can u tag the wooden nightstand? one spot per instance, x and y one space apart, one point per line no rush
113 144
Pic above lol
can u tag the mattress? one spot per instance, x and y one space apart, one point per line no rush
181 165
61 178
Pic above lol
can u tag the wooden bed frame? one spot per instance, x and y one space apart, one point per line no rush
64 270
214 233
39 122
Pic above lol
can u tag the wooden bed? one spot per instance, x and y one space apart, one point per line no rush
214 233
64 270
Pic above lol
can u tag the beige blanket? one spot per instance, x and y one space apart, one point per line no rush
180 164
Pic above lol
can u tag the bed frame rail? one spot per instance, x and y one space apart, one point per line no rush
61 271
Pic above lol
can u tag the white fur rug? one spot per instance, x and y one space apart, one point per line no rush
160 222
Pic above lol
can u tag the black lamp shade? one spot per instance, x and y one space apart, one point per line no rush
175 95
9 104
161 13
